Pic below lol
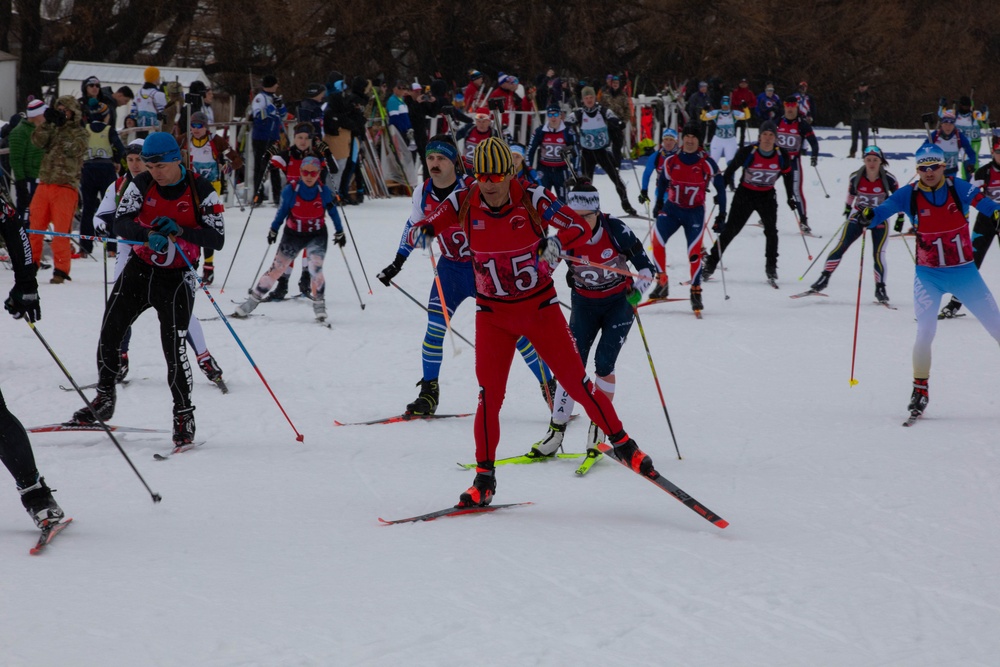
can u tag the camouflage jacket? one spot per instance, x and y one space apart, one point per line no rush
64 146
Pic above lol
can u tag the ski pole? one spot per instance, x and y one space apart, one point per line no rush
298 436
821 182
722 267
649 356
236 192
857 309
253 204
410 297
802 233
347 223
84 237
267 251
820 253
907 244
356 291
155 496
105 244
444 306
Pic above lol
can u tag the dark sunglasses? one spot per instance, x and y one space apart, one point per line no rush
929 168
93 85
490 178
197 126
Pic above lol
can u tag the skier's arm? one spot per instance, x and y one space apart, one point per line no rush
330 204
628 244
284 208
536 141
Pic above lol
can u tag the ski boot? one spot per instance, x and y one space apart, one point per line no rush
280 290
880 294
427 399
696 304
662 289
772 277
208 274
626 450
919 398
208 366
549 390
708 268
102 407
39 503
483 488
804 226
628 208
305 282
319 309
547 447
244 309
950 310
821 282
59 277
183 429
122 368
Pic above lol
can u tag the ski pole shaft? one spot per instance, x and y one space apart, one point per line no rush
907 244
267 251
802 234
444 306
649 356
155 496
857 310
85 237
820 253
347 223
351 274
722 267
253 205
821 182
105 245
410 297
298 436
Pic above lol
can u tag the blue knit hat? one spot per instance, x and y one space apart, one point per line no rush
161 147
669 132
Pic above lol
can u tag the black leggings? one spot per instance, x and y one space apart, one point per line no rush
15 450
603 157
171 293
746 202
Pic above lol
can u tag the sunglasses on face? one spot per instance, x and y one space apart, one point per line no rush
309 172
490 178
553 114
930 167
93 85
197 126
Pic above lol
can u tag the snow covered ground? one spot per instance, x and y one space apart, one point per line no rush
853 541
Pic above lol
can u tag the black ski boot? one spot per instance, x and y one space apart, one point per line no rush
184 427
950 310
696 303
427 399
102 407
919 398
626 450
821 282
280 290
305 282
880 294
122 368
662 289
39 503
483 488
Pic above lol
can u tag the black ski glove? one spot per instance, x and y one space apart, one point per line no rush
643 197
272 236
898 227
339 239
21 305
388 273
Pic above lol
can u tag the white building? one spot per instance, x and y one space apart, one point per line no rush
8 85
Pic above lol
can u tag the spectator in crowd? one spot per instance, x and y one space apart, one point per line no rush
743 98
861 117
269 112
26 157
64 143
769 106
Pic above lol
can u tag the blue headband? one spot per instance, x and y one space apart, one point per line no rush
443 148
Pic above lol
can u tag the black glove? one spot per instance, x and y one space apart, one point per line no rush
898 227
643 196
54 116
720 222
19 305
847 210
942 101
339 239
813 161
272 236
22 190
278 101
388 273
866 215
996 219
791 204
448 110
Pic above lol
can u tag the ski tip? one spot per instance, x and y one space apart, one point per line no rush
721 523
300 438
337 423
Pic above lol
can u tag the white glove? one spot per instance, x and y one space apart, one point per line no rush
549 250
644 280
100 226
